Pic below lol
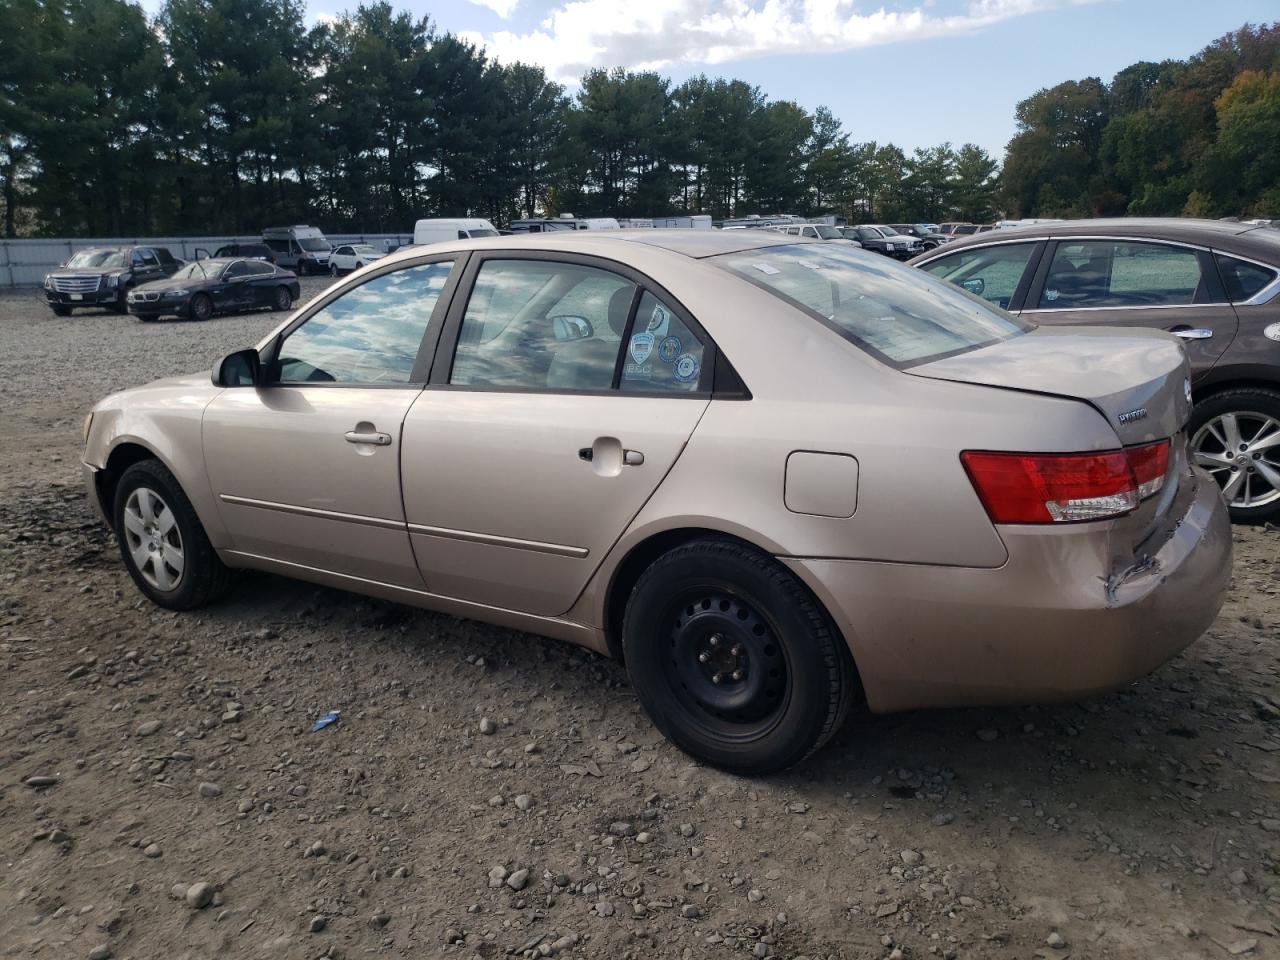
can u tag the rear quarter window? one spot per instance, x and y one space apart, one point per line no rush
1243 280
899 315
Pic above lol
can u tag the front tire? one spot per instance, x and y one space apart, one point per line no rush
734 660
1235 435
162 542
333 269
201 307
59 310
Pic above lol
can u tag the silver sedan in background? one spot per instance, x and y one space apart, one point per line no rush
775 477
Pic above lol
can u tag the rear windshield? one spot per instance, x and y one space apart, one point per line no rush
482 232
899 315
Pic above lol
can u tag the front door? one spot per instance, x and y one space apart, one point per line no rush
1136 284
562 394
306 468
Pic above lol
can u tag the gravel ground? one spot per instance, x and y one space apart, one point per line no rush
487 793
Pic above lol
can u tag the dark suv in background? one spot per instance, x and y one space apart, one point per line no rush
1214 285
103 277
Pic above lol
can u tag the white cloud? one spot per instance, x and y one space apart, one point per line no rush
650 34
503 8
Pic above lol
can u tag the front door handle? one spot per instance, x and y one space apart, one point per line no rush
1191 333
376 439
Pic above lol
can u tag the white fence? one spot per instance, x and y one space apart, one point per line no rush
25 262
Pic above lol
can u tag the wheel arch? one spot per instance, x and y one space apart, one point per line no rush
642 554
1250 377
122 456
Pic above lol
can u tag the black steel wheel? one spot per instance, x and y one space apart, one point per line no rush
733 659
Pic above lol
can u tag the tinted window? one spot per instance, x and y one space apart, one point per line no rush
165 256
370 334
662 354
542 325
902 315
280 246
342 251
237 269
990 272
1114 273
1243 280
256 268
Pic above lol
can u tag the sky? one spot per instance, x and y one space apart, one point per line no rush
912 72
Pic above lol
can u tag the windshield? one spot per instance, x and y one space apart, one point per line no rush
964 229
900 315
482 232
921 229
97 259
365 249
869 233
829 233
200 270
888 231
314 244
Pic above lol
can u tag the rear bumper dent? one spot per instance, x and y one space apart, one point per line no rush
1052 624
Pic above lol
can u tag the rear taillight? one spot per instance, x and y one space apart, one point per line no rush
1066 487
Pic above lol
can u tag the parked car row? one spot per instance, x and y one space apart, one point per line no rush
775 475
103 277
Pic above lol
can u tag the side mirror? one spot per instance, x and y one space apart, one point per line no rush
240 369
569 327
975 286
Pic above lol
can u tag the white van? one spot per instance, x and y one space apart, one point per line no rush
438 230
300 248
598 223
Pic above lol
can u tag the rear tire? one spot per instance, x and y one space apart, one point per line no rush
162 542
59 310
1228 435
734 660
283 299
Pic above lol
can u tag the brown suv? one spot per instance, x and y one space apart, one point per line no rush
1212 284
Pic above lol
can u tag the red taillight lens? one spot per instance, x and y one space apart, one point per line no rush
1150 464
1065 487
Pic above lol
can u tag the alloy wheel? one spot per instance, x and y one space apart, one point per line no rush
1241 450
154 541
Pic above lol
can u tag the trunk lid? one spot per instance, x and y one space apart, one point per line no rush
1138 379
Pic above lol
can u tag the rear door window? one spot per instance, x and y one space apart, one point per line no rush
1121 273
542 325
992 273
663 354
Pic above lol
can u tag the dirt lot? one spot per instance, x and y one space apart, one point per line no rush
1141 824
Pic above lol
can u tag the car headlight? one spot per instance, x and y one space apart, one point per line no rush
88 425
48 282
113 279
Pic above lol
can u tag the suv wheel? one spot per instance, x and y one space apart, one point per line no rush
734 660
122 301
333 269
162 542
1235 435
59 310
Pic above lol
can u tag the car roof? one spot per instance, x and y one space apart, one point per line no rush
1243 238
695 244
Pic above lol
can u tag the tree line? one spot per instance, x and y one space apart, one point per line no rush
1195 137
222 116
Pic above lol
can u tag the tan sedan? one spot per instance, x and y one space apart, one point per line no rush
775 477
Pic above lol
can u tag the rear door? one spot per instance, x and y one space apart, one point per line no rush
1136 283
563 390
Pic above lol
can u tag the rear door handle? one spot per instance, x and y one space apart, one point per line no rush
377 439
1191 333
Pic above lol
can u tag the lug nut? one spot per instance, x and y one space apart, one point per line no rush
718 678
738 674
703 657
737 650
715 640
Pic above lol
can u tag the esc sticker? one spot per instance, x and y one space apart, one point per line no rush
686 368
659 320
641 347
669 349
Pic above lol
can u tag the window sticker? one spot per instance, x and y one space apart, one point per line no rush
811 264
687 367
659 320
767 269
1051 294
641 347
669 349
